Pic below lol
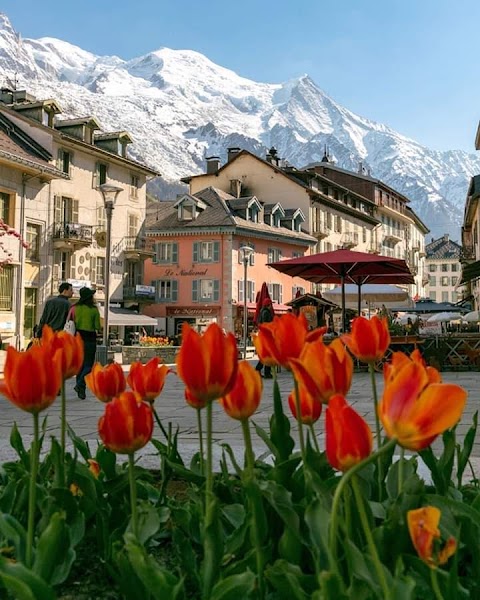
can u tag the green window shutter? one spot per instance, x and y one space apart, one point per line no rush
58 210
195 252
216 251
174 290
195 287
216 290
175 252
155 255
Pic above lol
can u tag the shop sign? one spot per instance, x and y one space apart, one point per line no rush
192 311
185 272
147 291
78 284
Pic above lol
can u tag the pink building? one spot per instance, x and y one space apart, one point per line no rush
198 271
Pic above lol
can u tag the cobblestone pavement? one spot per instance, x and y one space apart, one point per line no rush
83 415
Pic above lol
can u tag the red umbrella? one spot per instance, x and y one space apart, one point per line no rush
346 266
261 296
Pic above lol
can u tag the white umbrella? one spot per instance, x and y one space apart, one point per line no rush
472 317
444 317
390 295
403 319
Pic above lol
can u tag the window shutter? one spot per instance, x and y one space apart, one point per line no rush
216 290
58 212
93 269
56 266
75 211
155 253
60 159
195 287
270 255
240 291
294 292
175 252
280 294
195 252
174 290
73 269
270 289
252 255
96 175
239 256
252 298
216 251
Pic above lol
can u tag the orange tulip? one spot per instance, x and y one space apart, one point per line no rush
94 467
283 339
106 382
70 346
127 423
424 532
194 402
32 379
243 399
207 363
310 407
416 407
369 339
148 380
324 370
348 437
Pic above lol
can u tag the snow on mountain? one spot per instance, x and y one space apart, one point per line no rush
179 107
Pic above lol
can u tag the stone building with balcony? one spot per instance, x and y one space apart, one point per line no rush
470 251
59 210
444 270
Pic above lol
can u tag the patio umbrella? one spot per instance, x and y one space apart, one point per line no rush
379 293
443 317
472 317
346 266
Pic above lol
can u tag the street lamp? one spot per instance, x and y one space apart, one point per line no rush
109 193
245 253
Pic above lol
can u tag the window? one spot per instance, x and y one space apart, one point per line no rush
444 268
297 290
275 290
205 290
206 252
30 312
132 226
64 161
167 290
444 281
166 252
432 268
454 267
296 254
101 218
187 212
101 172
64 266
454 280
433 296
65 211
250 291
274 255
134 185
364 235
444 296
253 213
432 280
33 233
338 224
6 208
6 288
100 271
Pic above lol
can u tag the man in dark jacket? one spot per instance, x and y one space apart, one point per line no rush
265 316
56 309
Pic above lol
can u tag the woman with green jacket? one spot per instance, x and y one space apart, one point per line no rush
87 323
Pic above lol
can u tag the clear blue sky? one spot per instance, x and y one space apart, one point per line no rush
411 64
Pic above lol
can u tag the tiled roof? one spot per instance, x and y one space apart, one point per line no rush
443 248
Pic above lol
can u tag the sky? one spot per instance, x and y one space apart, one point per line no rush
410 64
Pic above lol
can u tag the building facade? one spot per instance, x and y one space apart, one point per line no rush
444 270
470 252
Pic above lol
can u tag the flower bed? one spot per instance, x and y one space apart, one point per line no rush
145 353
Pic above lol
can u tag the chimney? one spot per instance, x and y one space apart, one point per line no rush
360 168
272 156
6 96
445 237
232 153
213 164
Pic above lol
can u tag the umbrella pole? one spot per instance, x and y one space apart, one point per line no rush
344 314
359 299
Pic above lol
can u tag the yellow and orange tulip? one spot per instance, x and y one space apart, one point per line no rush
32 379
94 467
127 423
310 407
208 363
348 437
106 382
369 339
194 402
148 380
416 407
243 399
70 347
323 370
424 532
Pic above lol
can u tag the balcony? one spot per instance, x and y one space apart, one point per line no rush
140 294
71 236
374 249
467 254
349 240
393 235
321 233
136 248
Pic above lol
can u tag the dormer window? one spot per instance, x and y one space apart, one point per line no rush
187 212
276 219
189 207
253 213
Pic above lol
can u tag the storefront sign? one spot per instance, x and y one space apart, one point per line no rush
78 284
145 290
192 311
184 272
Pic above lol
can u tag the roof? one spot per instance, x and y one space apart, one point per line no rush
443 248
163 218
420 224
59 123
112 135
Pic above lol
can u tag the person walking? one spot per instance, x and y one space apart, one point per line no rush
87 323
265 316
56 309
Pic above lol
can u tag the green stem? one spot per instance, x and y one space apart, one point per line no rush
371 368
200 440
159 422
369 537
299 420
63 425
32 492
400 470
314 437
435 586
208 552
209 478
255 530
133 493
333 530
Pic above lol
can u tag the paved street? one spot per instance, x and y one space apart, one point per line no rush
83 415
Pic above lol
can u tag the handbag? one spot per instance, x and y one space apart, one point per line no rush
70 323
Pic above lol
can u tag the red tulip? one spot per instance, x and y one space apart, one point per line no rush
148 380
310 407
348 437
127 423
369 339
194 402
106 382
424 533
70 347
243 399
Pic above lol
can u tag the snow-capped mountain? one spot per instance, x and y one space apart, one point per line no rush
180 107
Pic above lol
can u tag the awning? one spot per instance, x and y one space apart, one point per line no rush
469 272
123 316
277 308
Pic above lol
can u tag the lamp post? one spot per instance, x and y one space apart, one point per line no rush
109 193
245 253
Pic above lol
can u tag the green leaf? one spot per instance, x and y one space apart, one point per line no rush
80 445
331 587
213 544
148 522
281 501
107 461
14 532
54 554
280 437
234 587
358 566
22 583
404 589
317 519
459 509
463 454
290 582
16 443
235 514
